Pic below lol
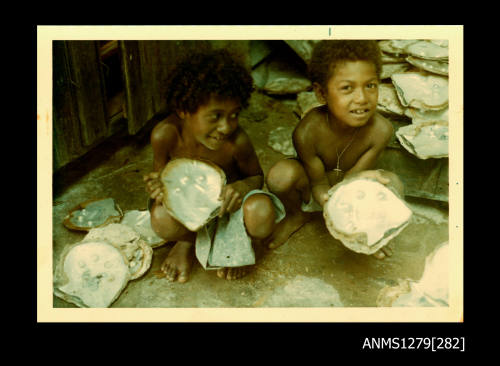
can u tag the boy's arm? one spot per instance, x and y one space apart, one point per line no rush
248 162
303 140
163 138
249 167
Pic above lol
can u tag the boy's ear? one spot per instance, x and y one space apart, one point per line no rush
320 94
181 114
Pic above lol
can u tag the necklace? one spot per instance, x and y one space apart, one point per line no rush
337 170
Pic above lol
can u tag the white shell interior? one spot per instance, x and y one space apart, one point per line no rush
97 273
422 91
129 242
366 206
193 189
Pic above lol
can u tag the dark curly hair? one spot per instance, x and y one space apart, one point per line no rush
327 54
201 75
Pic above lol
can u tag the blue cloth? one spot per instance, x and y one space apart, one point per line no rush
224 242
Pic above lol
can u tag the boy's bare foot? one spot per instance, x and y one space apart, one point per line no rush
289 225
233 273
177 265
383 252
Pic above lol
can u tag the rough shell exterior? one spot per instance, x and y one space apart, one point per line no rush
91 274
305 102
388 58
396 46
427 50
364 214
93 213
393 68
280 140
128 241
422 115
436 67
425 140
388 100
191 191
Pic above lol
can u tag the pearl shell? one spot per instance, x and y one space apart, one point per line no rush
191 191
374 217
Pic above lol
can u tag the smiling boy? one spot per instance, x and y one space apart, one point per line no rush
340 139
206 92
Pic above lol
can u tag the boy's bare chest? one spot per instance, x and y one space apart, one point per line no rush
342 150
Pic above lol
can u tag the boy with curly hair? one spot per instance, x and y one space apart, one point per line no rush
339 139
205 93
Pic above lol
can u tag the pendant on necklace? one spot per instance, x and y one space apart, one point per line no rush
338 172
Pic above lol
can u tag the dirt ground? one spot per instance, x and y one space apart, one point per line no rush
312 269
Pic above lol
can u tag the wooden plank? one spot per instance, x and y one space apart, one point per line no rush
108 49
89 90
157 54
134 86
147 68
67 141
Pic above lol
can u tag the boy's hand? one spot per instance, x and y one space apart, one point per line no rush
320 193
154 186
232 197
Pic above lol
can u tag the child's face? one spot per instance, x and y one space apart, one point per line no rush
214 122
352 92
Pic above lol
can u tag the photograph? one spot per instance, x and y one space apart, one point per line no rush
250 173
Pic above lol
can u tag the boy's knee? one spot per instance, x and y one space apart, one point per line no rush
164 225
284 176
259 215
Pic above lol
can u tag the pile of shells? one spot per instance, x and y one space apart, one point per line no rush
93 273
415 86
